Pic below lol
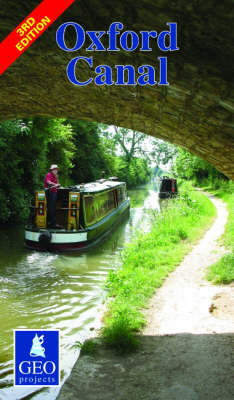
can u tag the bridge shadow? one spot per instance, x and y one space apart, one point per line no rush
168 367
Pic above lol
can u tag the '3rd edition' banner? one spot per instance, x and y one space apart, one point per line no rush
30 29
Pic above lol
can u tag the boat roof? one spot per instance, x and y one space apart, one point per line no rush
97 186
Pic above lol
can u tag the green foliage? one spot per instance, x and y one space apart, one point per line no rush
119 335
149 259
131 144
27 148
61 148
134 172
204 175
194 168
91 160
88 347
133 152
223 270
12 196
95 157
226 193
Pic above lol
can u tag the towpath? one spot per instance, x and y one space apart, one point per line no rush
187 345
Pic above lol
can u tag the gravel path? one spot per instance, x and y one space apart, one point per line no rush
184 302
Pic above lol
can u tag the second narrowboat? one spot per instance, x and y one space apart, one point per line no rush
168 188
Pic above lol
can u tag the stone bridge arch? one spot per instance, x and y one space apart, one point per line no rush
195 111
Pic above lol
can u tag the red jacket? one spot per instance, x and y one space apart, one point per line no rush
50 177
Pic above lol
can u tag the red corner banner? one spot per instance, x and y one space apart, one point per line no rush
30 29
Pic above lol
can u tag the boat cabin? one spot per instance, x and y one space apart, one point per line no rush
87 210
168 188
79 206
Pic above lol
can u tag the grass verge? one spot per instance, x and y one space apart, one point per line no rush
146 263
88 347
223 270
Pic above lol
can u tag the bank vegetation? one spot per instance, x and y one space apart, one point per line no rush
148 260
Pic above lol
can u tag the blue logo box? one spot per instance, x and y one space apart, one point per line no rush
36 358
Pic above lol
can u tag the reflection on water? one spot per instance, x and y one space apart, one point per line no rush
48 291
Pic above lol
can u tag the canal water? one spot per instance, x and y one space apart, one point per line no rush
66 292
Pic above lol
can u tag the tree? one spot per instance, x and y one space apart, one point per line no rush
136 144
27 148
130 145
90 160
189 166
129 158
162 152
129 141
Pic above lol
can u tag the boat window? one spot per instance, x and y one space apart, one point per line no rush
98 206
122 194
90 214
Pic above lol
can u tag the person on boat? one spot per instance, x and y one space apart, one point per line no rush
51 185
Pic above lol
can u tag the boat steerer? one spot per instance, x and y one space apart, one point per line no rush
128 41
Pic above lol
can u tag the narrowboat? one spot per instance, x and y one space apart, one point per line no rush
85 213
168 188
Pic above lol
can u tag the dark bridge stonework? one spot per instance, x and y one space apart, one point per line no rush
195 111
